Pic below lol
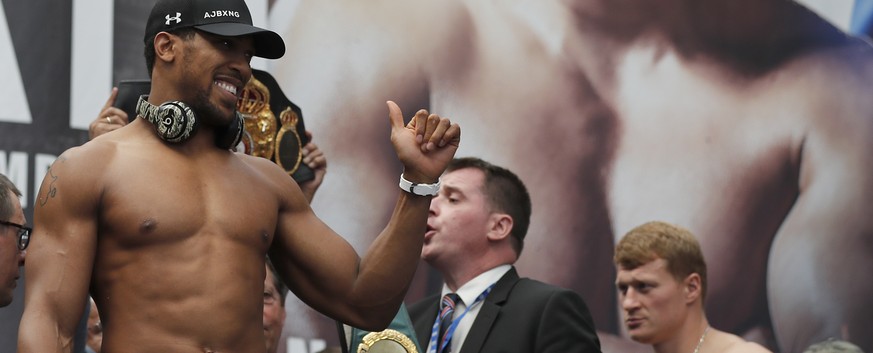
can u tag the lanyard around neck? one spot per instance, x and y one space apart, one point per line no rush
434 332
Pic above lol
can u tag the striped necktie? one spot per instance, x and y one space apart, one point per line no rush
447 308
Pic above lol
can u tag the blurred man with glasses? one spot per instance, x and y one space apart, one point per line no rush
275 293
14 237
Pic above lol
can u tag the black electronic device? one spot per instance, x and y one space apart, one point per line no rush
128 94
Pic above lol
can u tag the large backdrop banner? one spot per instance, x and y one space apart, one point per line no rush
749 122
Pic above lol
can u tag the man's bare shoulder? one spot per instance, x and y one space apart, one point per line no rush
363 27
746 347
266 172
129 139
369 11
846 68
92 154
262 165
73 179
729 343
828 90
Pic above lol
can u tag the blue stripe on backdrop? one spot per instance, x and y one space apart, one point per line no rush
862 18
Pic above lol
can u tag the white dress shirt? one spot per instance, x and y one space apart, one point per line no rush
468 293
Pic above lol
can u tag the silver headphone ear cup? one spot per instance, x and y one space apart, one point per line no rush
175 121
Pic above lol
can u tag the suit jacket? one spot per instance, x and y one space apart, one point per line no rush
519 315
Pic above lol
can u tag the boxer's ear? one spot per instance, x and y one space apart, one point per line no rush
693 284
166 46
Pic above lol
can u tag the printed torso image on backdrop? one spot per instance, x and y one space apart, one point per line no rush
748 122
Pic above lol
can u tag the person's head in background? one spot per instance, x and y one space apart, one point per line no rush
274 308
833 346
661 280
95 329
14 236
478 220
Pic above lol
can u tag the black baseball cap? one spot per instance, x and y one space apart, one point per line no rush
227 18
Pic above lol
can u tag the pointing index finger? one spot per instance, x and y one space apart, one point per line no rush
111 101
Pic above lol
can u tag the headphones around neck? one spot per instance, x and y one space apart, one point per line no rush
175 122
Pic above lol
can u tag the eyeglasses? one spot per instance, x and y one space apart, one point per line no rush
23 234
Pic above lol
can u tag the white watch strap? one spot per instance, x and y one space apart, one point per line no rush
419 189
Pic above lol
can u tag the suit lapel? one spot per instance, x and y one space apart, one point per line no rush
489 312
424 325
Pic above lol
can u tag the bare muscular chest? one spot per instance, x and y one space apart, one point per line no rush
154 200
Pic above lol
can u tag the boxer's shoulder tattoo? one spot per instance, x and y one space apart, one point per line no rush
51 178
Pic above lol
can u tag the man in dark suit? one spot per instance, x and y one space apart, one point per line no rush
475 232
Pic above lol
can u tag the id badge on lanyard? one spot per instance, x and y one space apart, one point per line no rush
434 332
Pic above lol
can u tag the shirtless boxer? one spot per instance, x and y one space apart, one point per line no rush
170 237
662 283
747 121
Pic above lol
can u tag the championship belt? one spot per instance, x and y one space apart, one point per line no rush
387 341
278 139
288 145
399 337
259 139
